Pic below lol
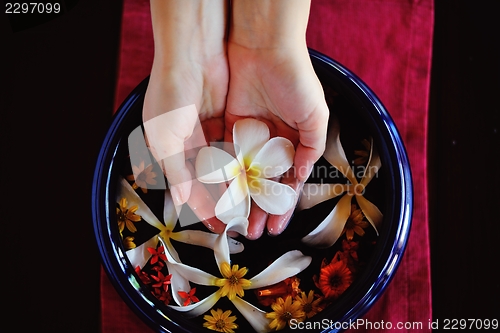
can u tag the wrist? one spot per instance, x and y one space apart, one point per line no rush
264 24
189 31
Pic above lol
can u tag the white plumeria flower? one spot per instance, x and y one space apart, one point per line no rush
258 159
140 255
232 284
330 229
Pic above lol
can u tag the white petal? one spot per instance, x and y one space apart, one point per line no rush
328 231
192 274
177 283
274 159
198 308
140 255
221 248
272 197
335 155
373 165
289 264
249 136
169 211
126 191
214 165
235 202
167 245
313 194
255 316
372 213
205 239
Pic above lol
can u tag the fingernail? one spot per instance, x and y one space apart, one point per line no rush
176 194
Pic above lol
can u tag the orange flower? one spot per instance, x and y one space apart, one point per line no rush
144 176
126 216
334 279
268 295
355 223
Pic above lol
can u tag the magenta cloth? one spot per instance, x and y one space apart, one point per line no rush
388 44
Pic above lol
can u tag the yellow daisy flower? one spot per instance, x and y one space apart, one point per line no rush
220 321
309 305
128 242
233 283
284 312
126 216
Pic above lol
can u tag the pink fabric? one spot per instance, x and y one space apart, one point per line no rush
388 44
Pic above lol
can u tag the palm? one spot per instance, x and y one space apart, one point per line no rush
285 93
206 87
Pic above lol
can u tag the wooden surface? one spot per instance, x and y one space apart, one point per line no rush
57 90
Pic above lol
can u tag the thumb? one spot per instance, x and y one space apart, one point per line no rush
312 140
166 135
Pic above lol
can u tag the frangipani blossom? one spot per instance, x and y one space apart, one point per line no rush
258 160
233 283
140 255
328 231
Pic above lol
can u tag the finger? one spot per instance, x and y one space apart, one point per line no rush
312 136
167 135
276 224
256 222
203 204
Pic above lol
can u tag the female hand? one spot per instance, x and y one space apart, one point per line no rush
272 79
186 92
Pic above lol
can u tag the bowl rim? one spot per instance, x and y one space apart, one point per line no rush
115 261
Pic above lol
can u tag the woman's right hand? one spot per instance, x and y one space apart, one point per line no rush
186 96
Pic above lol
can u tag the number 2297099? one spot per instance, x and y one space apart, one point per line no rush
32 8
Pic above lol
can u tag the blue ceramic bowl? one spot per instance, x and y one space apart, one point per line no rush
360 114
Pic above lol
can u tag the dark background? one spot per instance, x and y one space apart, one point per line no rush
57 87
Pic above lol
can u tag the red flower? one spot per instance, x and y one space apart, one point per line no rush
156 255
142 275
334 279
189 297
162 281
162 295
350 248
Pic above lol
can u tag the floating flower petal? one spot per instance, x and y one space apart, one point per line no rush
284 311
257 159
220 321
330 229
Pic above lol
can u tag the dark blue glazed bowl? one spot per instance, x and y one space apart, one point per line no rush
359 110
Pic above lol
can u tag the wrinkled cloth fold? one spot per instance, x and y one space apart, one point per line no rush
388 44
